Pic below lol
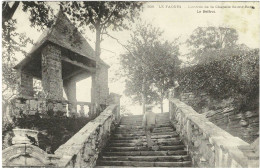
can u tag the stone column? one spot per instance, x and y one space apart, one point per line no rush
51 72
99 88
102 90
26 85
92 110
70 90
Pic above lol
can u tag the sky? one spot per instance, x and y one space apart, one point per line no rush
177 20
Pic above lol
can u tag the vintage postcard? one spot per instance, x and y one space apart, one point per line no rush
130 83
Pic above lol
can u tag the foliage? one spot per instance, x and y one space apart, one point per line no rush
53 131
102 15
150 59
13 43
124 111
206 42
236 76
41 13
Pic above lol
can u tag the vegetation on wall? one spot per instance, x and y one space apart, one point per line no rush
236 76
53 131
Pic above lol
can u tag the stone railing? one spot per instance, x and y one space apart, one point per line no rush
45 108
81 150
83 112
209 145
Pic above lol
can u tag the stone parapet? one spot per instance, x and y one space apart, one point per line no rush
209 145
83 148
21 106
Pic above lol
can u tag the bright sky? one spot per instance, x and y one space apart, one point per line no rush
176 22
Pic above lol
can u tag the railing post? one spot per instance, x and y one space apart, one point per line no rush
115 99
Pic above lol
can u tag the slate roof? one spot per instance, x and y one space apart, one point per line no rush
66 35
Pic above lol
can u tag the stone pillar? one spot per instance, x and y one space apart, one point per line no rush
115 99
92 110
99 88
70 90
102 90
51 72
26 85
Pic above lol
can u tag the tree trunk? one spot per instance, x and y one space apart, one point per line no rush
161 105
8 11
95 79
143 94
98 41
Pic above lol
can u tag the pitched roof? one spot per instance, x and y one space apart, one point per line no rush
66 35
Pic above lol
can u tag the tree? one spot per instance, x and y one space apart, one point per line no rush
14 43
206 42
148 64
165 66
101 15
41 13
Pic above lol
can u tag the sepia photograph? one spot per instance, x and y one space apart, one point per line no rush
107 84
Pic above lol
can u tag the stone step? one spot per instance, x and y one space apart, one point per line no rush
140 126
141 115
141 120
143 134
144 137
140 123
179 158
136 128
146 153
125 134
124 167
142 130
145 164
142 148
166 143
144 140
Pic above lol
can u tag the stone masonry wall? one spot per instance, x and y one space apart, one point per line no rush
243 124
51 72
26 86
208 145
83 148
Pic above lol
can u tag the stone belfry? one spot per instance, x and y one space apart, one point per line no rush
60 58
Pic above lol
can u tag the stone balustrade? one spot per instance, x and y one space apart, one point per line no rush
209 145
45 108
81 150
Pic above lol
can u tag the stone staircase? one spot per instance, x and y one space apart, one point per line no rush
128 148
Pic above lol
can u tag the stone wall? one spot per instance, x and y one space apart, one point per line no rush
208 145
223 113
21 106
26 85
83 148
33 106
